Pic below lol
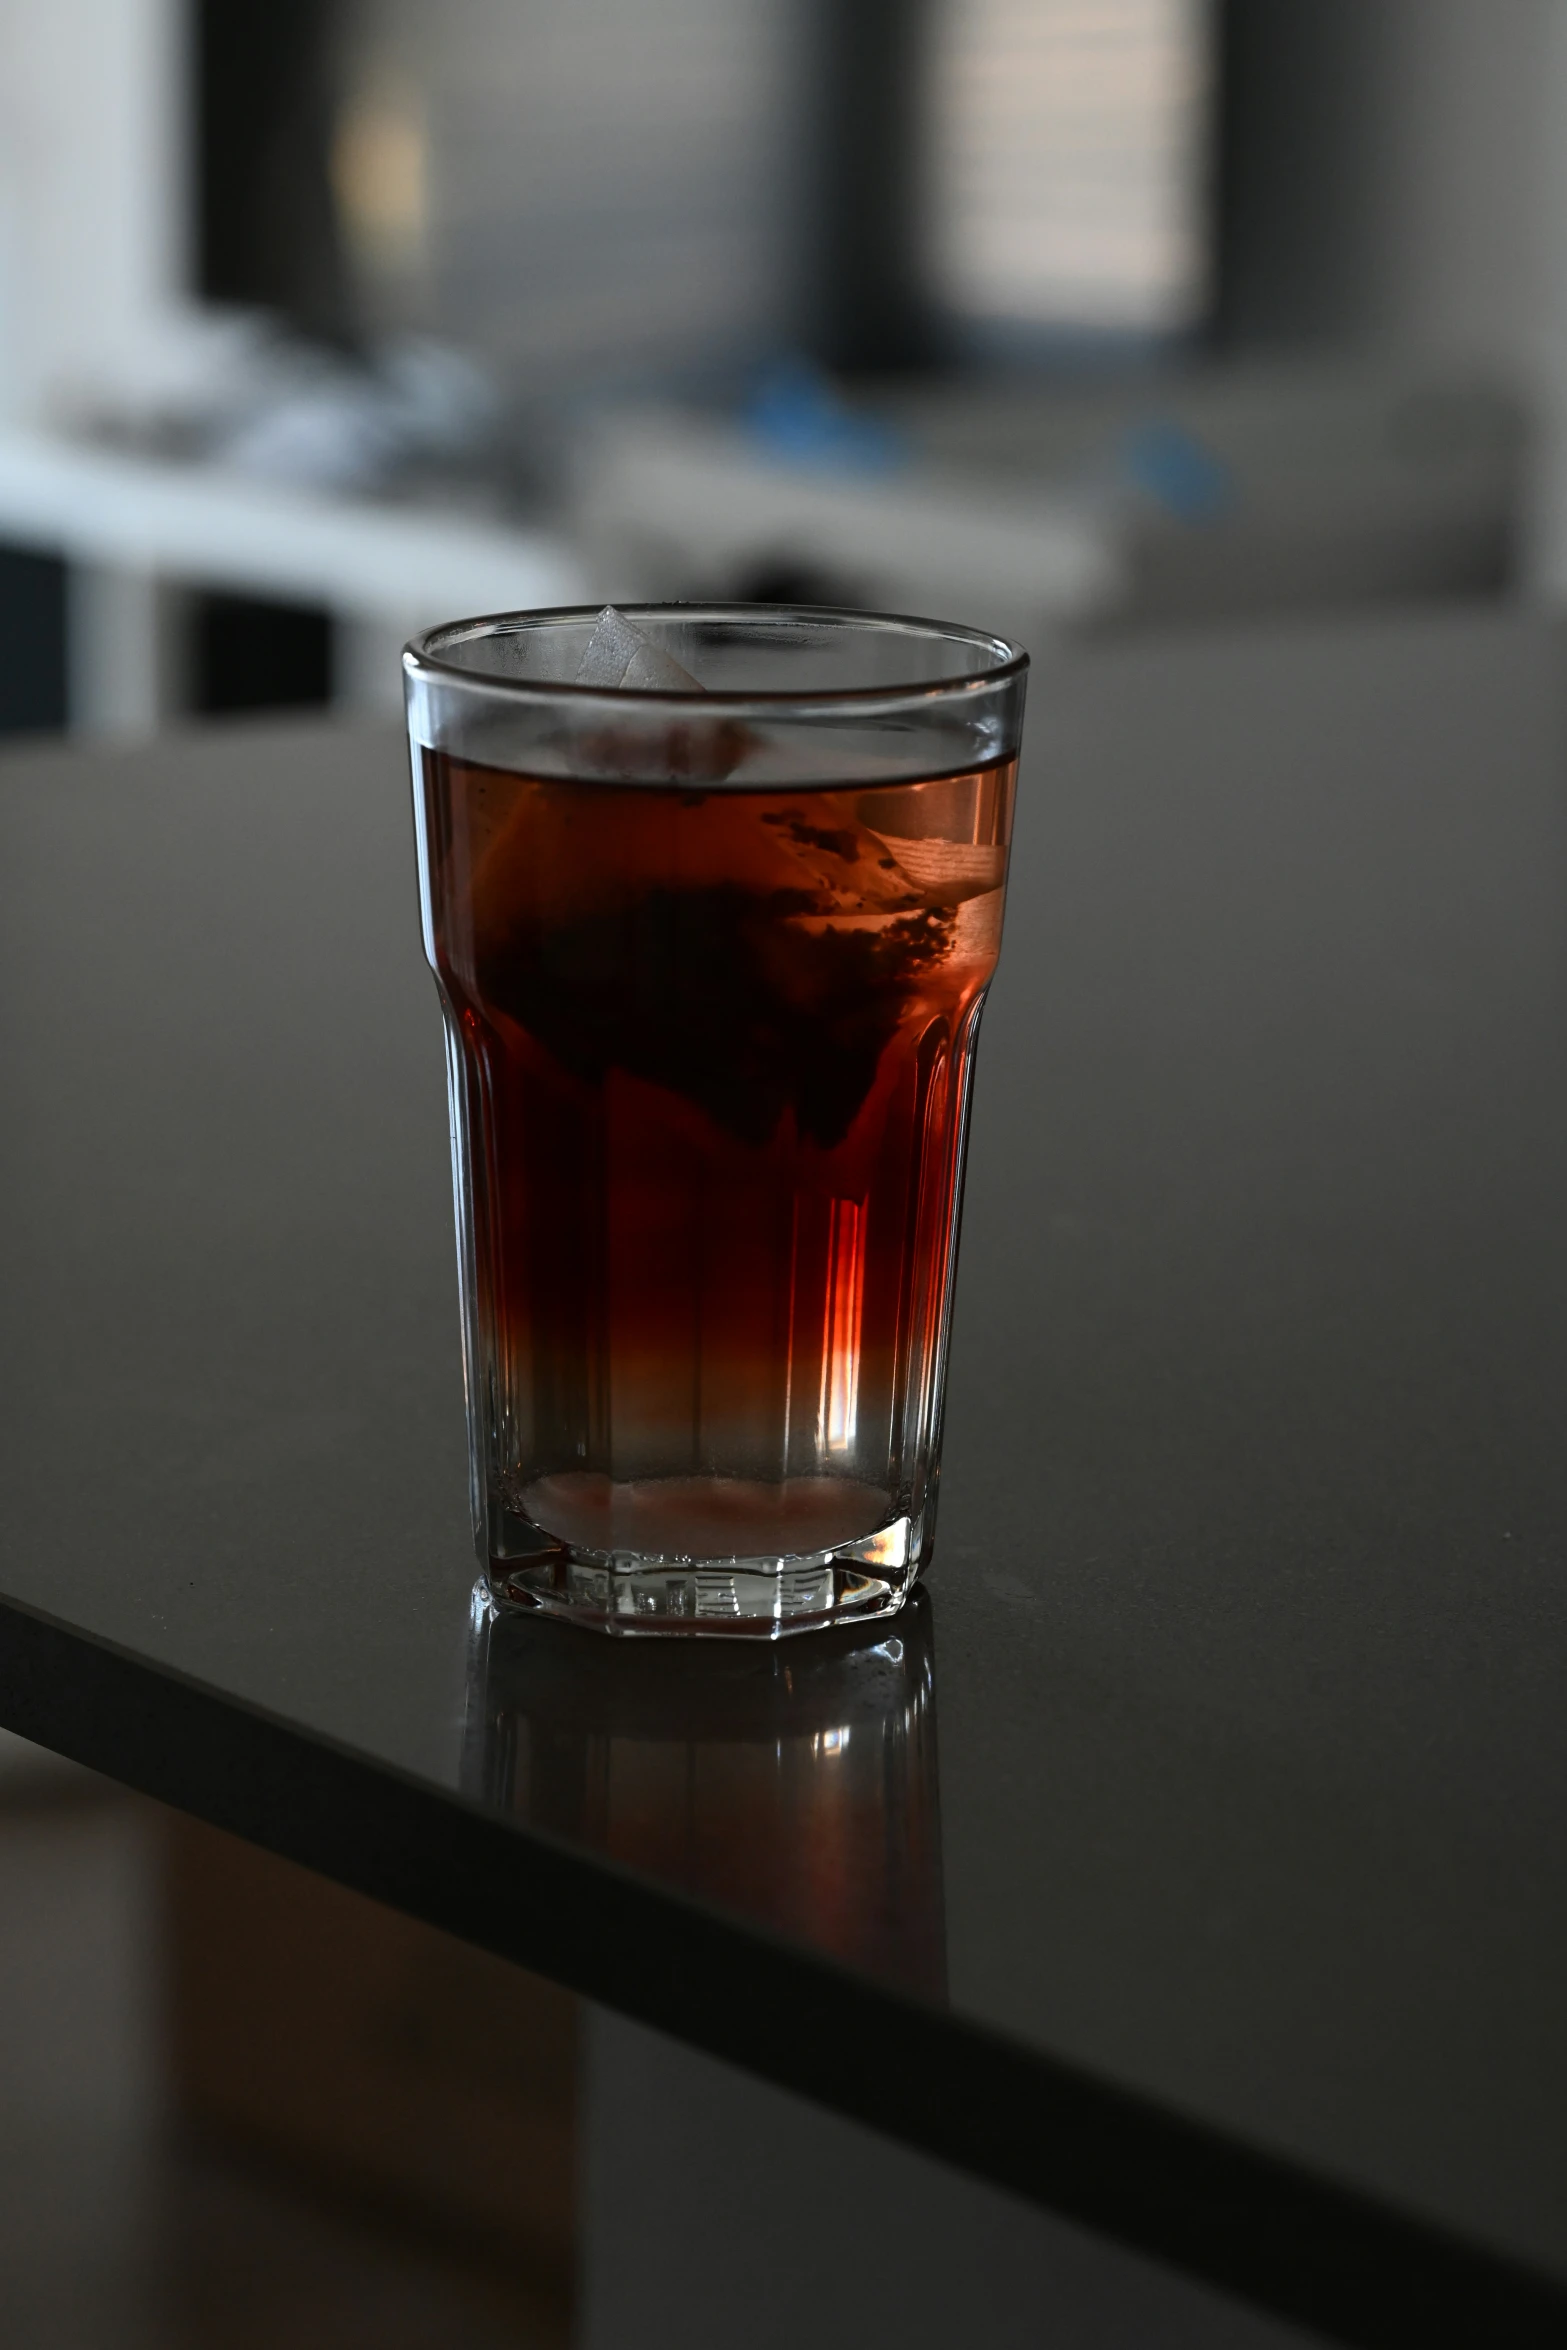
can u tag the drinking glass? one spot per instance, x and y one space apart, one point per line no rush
712 955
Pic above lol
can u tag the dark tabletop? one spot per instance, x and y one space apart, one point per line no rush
1191 1856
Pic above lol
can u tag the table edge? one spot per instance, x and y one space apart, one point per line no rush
1221 2211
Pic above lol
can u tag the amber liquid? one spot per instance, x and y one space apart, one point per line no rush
711 1051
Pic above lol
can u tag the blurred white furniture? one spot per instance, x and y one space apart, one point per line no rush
135 526
1036 509
679 504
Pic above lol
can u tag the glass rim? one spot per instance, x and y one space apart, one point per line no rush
422 657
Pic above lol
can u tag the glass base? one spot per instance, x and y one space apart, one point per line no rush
757 1597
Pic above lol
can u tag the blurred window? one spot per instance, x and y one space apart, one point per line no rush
591 192
1069 157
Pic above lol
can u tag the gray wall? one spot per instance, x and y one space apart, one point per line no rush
1386 177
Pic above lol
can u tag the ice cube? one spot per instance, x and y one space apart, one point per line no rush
619 654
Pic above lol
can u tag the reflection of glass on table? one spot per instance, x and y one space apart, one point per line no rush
798 1785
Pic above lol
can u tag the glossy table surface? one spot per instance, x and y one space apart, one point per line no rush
1191 1856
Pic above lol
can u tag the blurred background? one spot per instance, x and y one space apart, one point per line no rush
325 319
321 320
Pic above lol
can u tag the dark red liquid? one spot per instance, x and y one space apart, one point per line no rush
714 1051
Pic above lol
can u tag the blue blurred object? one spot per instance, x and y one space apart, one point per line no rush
1177 470
798 415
